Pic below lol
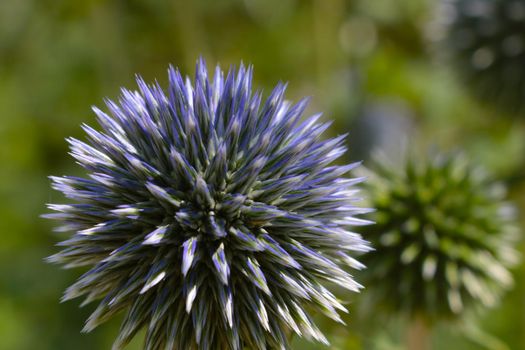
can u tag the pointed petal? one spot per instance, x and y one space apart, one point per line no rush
221 264
188 254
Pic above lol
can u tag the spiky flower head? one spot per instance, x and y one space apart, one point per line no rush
210 219
486 39
443 238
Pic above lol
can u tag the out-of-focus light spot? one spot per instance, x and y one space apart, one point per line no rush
482 58
477 8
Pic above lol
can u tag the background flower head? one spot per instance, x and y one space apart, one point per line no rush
486 42
444 237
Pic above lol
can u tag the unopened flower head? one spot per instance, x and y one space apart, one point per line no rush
210 218
443 238
486 39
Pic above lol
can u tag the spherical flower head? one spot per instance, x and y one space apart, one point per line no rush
443 238
210 219
486 39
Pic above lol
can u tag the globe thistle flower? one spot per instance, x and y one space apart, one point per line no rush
443 238
486 42
210 219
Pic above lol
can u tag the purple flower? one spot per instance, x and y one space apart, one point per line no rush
210 219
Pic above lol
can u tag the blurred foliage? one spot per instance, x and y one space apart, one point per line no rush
58 57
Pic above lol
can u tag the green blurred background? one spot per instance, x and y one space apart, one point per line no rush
370 65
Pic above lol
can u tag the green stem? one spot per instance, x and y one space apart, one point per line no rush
418 334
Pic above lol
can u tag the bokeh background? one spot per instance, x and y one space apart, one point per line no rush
371 65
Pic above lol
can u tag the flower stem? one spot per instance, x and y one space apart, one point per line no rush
418 334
